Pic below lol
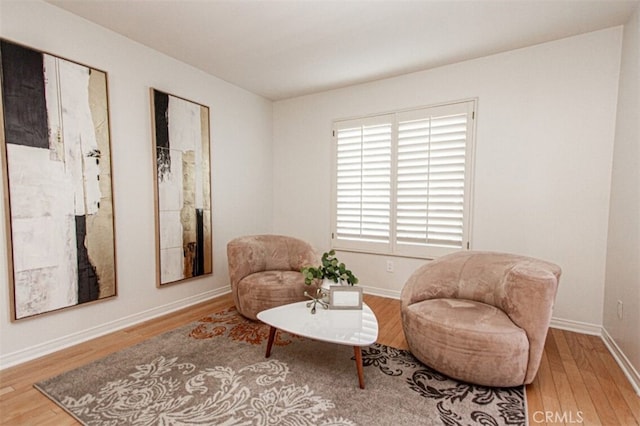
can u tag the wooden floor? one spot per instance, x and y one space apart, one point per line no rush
578 381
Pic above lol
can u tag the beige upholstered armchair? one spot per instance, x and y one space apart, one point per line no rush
265 271
480 317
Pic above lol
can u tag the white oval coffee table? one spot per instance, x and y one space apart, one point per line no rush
355 328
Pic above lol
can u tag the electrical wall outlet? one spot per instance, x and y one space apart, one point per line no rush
389 265
620 310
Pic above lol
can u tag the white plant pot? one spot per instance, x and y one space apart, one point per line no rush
327 283
326 288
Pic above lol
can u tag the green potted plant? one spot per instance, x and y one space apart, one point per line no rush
331 269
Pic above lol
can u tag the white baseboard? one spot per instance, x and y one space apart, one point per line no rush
576 326
622 360
36 351
374 291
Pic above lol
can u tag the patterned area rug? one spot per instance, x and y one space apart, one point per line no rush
213 372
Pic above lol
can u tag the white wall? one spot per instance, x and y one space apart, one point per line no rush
241 136
545 129
623 252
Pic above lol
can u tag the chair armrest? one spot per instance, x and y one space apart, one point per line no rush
529 292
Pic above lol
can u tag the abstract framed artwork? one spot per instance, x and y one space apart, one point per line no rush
184 241
56 155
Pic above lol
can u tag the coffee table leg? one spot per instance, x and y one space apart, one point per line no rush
358 352
272 335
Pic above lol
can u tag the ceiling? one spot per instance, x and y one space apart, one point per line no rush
285 48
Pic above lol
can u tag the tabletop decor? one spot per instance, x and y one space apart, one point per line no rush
330 272
317 298
55 147
345 297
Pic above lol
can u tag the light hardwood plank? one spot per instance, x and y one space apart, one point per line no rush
550 399
534 404
568 407
621 410
585 408
626 390
590 377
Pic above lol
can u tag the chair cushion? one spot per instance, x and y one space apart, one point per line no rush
467 340
268 289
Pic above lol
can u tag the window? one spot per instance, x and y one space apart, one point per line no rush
402 181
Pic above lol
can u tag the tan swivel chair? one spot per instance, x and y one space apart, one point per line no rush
480 317
265 271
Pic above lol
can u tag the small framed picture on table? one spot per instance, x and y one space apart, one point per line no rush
345 297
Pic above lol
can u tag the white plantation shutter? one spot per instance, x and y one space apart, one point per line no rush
431 172
363 180
402 181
